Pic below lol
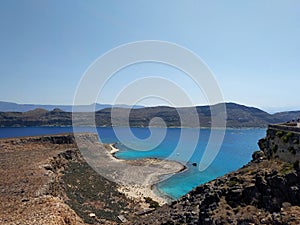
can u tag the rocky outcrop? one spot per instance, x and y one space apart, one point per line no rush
282 142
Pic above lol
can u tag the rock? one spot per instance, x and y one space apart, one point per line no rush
122 219
234 197
47 167
92 215
25 200
258 155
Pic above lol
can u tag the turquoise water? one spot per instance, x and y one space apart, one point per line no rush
235 151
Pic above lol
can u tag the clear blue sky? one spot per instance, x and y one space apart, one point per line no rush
252 47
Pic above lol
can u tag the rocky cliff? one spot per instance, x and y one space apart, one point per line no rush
282 142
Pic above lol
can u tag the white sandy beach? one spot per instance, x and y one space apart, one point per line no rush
139 191
135 178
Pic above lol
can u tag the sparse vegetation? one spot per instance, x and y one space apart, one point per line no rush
289 134
274 148
233 182
89 192
285 138
287 168
279 134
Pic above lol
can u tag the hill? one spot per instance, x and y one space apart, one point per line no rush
14 107
237 116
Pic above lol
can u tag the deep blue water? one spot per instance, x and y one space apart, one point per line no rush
236 150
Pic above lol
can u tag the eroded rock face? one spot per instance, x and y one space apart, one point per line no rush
282 142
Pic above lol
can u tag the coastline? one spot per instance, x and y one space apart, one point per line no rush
250 194
148 189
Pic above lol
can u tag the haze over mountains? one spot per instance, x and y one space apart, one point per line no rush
14 107
237 116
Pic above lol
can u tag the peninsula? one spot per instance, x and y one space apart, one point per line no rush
45 180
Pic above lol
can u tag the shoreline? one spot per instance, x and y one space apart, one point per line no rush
139 192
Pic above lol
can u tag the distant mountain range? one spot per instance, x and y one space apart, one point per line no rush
14 107
237 116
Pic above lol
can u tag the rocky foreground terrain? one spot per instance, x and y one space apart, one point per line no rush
44 180
27 191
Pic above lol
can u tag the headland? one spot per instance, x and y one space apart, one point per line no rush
47 177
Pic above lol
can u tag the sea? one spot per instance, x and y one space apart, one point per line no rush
236 150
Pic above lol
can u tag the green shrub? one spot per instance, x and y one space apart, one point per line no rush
151 202
279 133
285 139
289 134
287 168
296 141
232 183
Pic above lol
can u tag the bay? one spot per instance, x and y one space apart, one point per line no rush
236 150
